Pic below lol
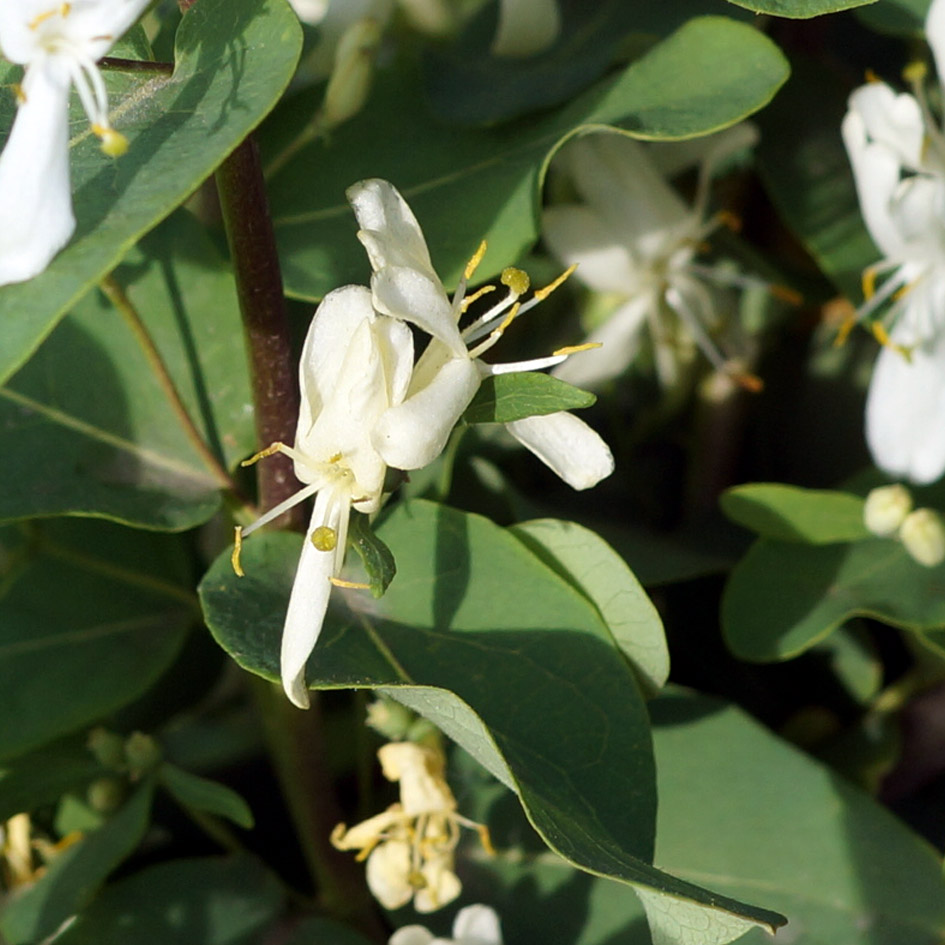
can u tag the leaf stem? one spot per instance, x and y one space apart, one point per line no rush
119 299
135 65
249 232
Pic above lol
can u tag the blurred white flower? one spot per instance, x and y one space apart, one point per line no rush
58 44
448 373
633 237
923 536
409 847
526 27
886 508
355 365
474 925
897 152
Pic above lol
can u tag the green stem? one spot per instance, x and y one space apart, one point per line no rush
119 299
135 65
246 218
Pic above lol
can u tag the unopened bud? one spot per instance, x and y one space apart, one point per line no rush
105 795
351 75
389 718
142 752
886 509
923 534
108 748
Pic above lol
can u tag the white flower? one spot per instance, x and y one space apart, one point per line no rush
409 847
59 44
449 373
355 365
474 925
634 237
898 157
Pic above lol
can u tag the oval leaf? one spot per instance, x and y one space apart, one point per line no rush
507 397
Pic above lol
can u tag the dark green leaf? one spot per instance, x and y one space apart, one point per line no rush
799 9
85 426
90 615
784 597
209 901
474 613
234 59
507 397
376 557
205 796
74 876
900 17
790 513
465 186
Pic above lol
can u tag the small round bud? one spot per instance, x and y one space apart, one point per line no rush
352 73
389 718
923 534
105 795
886 509
108 748
142 752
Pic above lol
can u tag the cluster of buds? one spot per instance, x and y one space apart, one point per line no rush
410 847
889 513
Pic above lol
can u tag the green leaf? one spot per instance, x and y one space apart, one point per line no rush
74 876
474 613
783 597
790 513
465 186
805 168
90 616
212 900
899 17
799 9
592 567
205 796
325 932
41 777
234 59
759 818
375 556
86 427
503 398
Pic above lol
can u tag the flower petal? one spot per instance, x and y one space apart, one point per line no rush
388 874
567 445
477 925
309 599
935 35
36 217
905 412
412 935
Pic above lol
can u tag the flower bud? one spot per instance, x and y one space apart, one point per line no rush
143 752
351 75
105 795
886 509
108 748
923 534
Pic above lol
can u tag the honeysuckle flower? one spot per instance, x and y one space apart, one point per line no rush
474 925
58 43
355 365
633 236
450 370
897 153
409 847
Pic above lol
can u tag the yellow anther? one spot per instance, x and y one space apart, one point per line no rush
882 336
114 143
871 76
785 294
868 281
902 291
915 72
270 450
237 548
325 538
574 349
19 93
336 458
485 839
516 279
473 263
541 294
354 585
730 220
485 290
846 326
750 382
62 10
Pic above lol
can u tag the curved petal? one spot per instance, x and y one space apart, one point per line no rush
36 217
567 445
891 120
389 230
412 935
935 35
412 295
309 599
388 874
905 412
526 27
477 925
619 338
413 434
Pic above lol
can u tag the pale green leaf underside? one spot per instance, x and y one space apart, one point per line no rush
799 9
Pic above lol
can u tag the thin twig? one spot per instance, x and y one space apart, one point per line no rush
135 65
117 296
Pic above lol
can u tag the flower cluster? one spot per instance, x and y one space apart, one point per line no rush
888 513
366 405
897 152
59 44
474 925
410 847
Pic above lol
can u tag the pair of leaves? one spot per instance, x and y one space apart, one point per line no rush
473 615
815 567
